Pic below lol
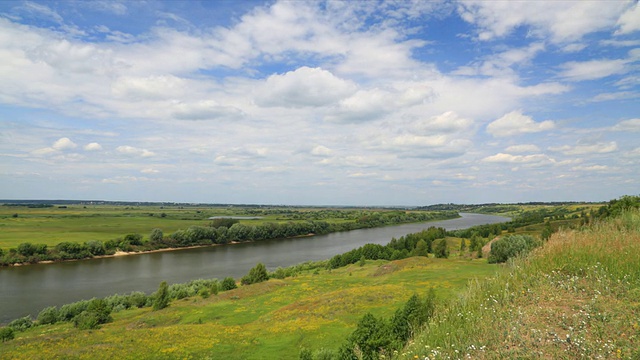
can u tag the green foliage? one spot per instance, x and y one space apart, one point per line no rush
156 236
370 337
98 312
363 261
96 247
21 324
228 284
441 250
305 354
161 298
6 334
48 315
256 275
463 245
511 246
422 249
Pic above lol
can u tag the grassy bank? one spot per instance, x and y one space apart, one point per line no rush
269 320
576 297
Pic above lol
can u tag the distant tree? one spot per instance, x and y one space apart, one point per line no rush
228 284
98 312
156 236
14 215
463 245
133 239
362 261
96 247
161 299
422 248
511 246
441 250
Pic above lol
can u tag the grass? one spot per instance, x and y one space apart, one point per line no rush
269 320
576 297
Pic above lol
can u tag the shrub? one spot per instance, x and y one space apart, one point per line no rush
161 299
256 275
511 246
48 315
6 334
21 324
228 284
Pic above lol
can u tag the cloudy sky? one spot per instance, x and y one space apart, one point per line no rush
345 103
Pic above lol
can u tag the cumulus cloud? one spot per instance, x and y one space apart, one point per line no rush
94 146
509 158
582 149
304 87
631 125
516 123
321 150
133 151
448 122
64 144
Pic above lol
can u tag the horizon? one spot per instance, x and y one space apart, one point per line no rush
320 102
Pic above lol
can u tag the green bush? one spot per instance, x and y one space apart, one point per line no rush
161 298
6 334
228 284
255 275
49 315
21 324
511 246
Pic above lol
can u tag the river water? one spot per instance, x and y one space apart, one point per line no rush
25 290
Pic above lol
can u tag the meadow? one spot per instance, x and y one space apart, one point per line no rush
83 223
273 319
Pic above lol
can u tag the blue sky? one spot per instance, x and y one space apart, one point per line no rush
320 103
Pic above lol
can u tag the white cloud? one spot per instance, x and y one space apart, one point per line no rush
133 151
592 70
597 148
591 168
631 125
94 146
562 21
448 122
515 123
524 148
205 110
629 21
508 158
304 87
321 150
64 144
149 171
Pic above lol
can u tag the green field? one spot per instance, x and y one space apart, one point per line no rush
82 223
269 320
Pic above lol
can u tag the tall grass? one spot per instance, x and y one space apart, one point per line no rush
576 297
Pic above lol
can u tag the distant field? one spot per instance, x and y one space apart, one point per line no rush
79 223
263 321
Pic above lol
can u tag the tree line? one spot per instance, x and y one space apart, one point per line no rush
219 231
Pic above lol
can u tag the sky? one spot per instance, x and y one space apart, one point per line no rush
376 103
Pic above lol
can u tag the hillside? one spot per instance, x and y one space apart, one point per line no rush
577 297
270 320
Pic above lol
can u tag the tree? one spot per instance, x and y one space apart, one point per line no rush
156 236
228 284
441 250
463 245
422 248
48 315
161 300
256 275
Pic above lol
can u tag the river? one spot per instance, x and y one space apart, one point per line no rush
25 290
